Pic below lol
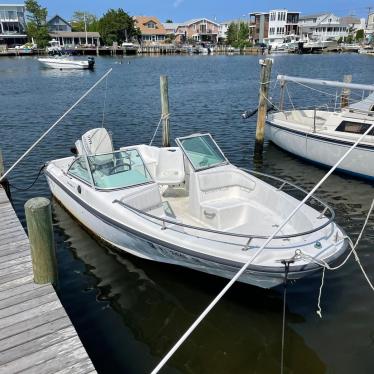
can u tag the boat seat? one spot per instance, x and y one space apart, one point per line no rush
147 199
170 166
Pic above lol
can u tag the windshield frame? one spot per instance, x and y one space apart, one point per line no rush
180 140
89 167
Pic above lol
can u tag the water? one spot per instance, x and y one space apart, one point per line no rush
129 312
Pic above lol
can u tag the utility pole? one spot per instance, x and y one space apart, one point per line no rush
85 28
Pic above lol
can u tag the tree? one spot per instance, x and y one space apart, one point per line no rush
169 21
117 26
77 21
360 35
238 35
36 27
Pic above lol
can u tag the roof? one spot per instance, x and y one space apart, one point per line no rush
141 21
75 34
316 15
56 15
349 20
195 20
170 25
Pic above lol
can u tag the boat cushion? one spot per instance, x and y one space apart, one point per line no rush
170 166
147 199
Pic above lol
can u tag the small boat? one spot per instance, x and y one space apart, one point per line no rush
322 136
189 206
61 62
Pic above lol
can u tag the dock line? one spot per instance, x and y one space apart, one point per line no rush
54 125
255 255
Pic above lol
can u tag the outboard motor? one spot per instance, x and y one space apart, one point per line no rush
91 62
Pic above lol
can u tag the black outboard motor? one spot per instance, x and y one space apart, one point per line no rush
91 62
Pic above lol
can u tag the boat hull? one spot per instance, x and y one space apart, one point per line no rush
323 150
61 64
137 243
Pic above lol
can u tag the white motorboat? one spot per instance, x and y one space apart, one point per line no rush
323 136
62 63
189 206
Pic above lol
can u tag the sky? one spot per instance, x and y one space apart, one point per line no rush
221 10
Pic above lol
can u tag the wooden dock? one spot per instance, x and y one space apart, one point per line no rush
36 335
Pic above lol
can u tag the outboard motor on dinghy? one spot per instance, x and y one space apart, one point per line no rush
91 62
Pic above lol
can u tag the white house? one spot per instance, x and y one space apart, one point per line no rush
323 26
282 24
12 24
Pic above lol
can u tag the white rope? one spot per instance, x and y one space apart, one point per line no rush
253 257
54 125
163 116
319 309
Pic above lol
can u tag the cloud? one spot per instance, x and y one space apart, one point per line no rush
177 3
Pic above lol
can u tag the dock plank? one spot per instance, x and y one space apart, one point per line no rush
36 334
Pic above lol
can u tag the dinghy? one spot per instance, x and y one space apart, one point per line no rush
322 136
189 206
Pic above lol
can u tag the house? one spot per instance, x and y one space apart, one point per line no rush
224 27
151 29
198 30
71 39
12 24
57 23
282 24
260 20
171 27
322 26
369 29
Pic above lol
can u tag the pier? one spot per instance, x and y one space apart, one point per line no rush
36 334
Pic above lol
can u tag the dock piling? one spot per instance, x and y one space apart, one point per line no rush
263 99
164 90
344 98
40 231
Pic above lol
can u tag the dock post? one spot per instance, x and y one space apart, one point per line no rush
281 101
40 231
164 90
262 104
4 182
344 98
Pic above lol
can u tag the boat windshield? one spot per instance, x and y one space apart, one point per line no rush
202 151
118 169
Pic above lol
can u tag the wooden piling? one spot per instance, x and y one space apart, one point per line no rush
164 90
344 98
40 231
263 101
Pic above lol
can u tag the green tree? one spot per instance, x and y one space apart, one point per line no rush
36 27
360 35
169 21
77 21
117 26
238 35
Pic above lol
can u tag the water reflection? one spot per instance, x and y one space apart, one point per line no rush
157 303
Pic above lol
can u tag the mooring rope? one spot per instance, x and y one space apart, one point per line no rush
31 185
104 104
254 256
54 125
163 116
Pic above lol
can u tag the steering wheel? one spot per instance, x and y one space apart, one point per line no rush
122 164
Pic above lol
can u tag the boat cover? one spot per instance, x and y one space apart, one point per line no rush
366 105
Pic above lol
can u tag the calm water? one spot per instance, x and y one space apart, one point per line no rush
129 312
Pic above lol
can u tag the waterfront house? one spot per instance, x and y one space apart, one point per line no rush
322 26
369 29
57 23
12 25
260 32
72 39
151 29
224 27
198 30
171 28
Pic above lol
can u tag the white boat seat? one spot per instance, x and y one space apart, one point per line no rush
147 199
170 166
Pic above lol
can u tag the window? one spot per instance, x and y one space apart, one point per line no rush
354 127
79 170
151 25
119 169
201 151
